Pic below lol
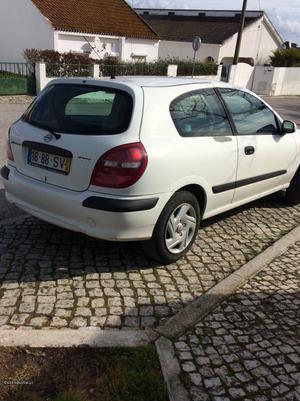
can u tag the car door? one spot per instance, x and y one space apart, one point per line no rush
266 157
208 146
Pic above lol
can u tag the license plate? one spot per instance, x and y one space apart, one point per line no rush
49 161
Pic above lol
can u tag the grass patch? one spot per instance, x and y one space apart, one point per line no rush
81 374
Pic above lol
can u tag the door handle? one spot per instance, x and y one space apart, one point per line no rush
249 150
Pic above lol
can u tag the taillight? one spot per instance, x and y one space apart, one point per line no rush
120 167
9 152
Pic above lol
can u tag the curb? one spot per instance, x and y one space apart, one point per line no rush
171 370
197 310
92 337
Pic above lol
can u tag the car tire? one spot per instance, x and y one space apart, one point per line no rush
175 230
293 191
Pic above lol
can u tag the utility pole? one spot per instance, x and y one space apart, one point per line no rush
240 34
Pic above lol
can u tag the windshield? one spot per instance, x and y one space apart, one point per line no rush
81 109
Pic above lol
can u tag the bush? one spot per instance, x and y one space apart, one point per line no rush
130 68
54 57
185 67
286 58
61 64
160 67
70 64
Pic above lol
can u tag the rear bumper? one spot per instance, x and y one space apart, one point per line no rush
109 218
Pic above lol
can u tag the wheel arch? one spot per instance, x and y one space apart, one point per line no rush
200 194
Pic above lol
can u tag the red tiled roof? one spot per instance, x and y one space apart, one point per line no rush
108 17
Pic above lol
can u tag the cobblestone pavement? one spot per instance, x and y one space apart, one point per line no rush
17 99
249 347
7 210
50 277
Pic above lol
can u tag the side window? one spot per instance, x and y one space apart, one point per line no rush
200 113
250 115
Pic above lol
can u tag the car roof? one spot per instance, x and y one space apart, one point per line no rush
161 81
140 81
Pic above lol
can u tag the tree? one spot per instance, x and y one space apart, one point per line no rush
286 58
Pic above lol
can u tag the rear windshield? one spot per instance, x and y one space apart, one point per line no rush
81 109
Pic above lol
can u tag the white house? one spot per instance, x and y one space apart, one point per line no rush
218 31
99 28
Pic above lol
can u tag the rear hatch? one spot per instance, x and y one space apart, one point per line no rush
70 126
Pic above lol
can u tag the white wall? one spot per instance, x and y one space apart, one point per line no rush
81 43
263 79
106 45
141 46
75 43
258 43
286 81
184 50
267 81
242 75
22 26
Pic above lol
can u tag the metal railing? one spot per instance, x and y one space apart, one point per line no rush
9 69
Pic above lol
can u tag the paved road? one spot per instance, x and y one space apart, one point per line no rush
249 347
288 107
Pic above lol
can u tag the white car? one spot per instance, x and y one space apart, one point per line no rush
147 158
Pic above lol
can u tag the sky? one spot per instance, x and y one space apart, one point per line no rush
285 14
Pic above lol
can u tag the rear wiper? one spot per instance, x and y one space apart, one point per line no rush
57 136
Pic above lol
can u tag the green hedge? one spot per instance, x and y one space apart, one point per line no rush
155 68
17 85
67 70
160 67
186 68
7 74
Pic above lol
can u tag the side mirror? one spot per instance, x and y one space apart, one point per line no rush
288 127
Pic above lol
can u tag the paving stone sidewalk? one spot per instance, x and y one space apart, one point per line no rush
16 99
54 278
249 347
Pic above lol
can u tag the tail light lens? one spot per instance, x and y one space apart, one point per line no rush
9 152
120 167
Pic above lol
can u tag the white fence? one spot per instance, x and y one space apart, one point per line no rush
269 81
42 80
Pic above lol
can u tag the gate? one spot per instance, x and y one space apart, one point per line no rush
17 79
225 73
